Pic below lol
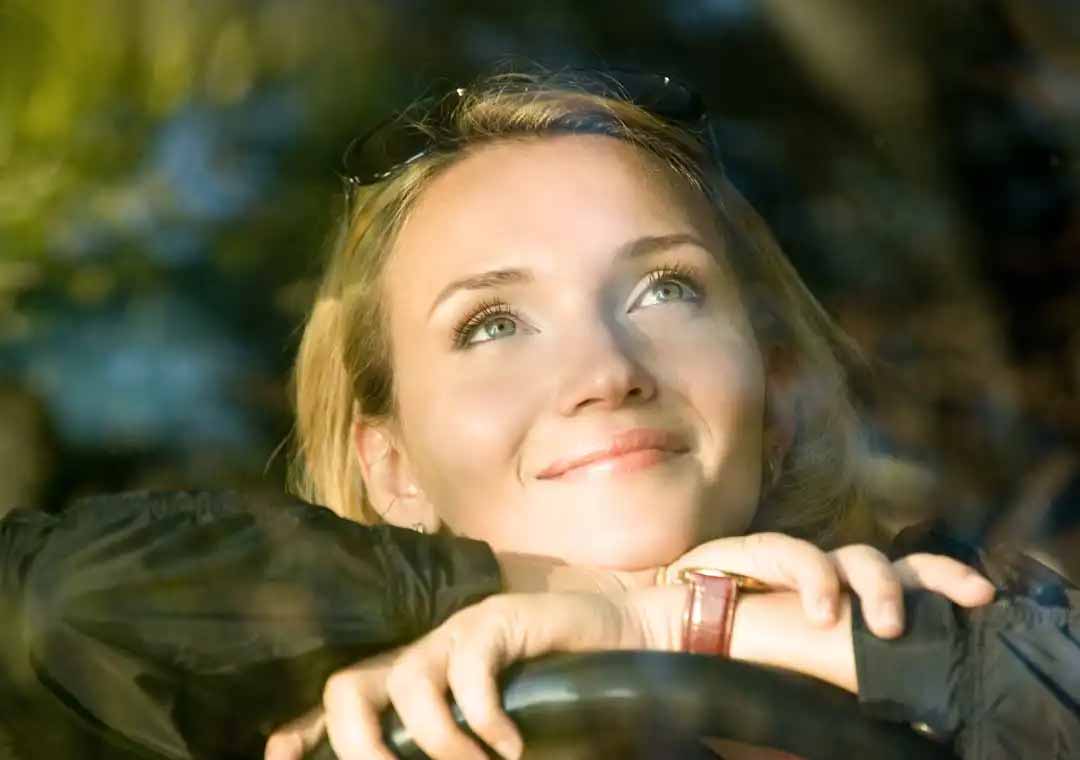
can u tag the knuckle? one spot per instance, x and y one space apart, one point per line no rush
340 688
889 591
805 552
867 553
875 554
348 745
940 572
772 539
926 562
843 555
474 689
283 744
866 566
891 588
403 677
810 559
482 611
349 734
484 719
465 668
921 568
755 541
881 574
463 619
475 623
441 738
920 558
940 564
762 561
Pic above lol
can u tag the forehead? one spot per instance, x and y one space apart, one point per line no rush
540 200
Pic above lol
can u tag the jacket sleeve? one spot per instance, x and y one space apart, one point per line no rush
999 681
191 624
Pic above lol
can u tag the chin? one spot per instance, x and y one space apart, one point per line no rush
628 523
635 548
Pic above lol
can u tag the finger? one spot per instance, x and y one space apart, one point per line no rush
799 565
779 560
471 677
951 578
352 701
297 737
418 690
872 578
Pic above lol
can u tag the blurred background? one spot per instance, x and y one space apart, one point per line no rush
170 169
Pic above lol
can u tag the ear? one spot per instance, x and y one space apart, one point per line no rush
389 480
781 404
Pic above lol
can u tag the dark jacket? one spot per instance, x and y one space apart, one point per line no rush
188 625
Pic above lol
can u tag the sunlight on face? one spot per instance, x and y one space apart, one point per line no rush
576 374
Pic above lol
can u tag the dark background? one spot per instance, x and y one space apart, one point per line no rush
169 172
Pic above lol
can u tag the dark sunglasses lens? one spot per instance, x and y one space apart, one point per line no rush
660 95
395 142
372 157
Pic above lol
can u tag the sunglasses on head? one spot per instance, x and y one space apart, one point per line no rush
424 126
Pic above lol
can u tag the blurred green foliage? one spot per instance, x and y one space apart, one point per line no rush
169 173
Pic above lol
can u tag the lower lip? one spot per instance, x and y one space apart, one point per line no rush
632 461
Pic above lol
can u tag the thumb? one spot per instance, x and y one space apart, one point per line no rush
296 738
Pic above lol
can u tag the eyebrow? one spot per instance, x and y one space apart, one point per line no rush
634 249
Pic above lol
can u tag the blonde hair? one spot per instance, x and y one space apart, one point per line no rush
343 369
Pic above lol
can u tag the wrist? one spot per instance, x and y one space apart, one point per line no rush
771 629
530 573
659 615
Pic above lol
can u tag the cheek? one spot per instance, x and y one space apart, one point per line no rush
464 439
731 385
717 367
723 383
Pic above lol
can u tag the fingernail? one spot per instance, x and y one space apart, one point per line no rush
509 748
980 584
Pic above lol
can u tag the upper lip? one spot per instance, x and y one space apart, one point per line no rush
625 442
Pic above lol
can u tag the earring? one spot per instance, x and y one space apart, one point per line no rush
773 461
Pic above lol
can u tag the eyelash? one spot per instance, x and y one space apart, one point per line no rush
485 311
682 273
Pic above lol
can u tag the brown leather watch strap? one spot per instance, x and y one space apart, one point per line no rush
710 610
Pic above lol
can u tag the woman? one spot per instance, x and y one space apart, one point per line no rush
553 328
551 324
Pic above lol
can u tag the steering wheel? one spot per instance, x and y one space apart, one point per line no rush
656 705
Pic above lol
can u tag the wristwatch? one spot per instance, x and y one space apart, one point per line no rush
710 610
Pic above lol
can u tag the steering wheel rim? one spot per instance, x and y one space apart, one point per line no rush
646 704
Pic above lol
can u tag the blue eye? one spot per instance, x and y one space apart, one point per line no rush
490 322
494 328
663 291
667 285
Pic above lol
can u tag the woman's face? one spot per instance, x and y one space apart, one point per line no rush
576 374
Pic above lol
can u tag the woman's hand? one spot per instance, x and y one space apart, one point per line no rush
466 653
785 563
793 564
464 656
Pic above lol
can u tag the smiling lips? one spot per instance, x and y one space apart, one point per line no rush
629 451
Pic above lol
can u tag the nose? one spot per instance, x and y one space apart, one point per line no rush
604 370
